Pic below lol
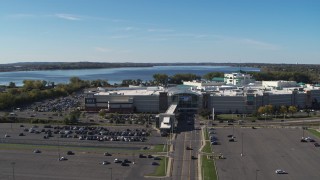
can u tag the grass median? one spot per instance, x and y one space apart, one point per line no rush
208 168
314 132
207 165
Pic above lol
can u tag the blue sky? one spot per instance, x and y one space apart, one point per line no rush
262 31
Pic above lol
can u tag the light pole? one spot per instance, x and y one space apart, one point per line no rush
233 130
110 173
257 174
59 149
13 163
241 143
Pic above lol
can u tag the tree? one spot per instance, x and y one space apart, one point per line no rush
262 110
211 75
160 78
102 113
283 110
292 109
12 85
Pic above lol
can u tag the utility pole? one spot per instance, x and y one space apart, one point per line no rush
241 143
110 173
13 177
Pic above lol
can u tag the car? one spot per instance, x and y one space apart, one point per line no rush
311 140
70 153
126 161
150 156
156 158
316 144
155 163
193 157
188 148
21 134
62 159
303 140
230 136
214 143
36 151
231 140
124 164
105 162
21 125
212 132
107 154
117 161
279 171
6 135
142 156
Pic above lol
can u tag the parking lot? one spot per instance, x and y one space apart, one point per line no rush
264 150
89 145
82 165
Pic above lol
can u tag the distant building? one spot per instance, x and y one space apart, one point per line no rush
238 79
279 84
245 97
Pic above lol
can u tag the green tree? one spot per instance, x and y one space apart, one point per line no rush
283 110
211 75
102 113
292 109
12 85
160 79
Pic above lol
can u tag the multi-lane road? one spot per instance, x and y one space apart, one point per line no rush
186 145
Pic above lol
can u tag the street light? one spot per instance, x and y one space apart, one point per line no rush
110 173
13 163
241 143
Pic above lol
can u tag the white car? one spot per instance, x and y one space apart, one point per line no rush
62 159
279 171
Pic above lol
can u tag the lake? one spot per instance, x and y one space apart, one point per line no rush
113 75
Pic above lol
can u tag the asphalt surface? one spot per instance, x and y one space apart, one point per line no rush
185 168
82 166
265 150
85 164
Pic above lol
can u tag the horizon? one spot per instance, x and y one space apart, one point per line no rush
247 31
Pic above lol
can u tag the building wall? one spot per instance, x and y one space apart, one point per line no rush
146 103
227 104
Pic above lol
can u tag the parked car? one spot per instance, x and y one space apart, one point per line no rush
105 162
156 158
62 159
124 164
193 157
142 156
36 151
107 154
117 161
316 144
150 156
155 163
70 153
188 148
279 171
303 140
214 143
231 140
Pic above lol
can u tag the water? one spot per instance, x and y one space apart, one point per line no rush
113 75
